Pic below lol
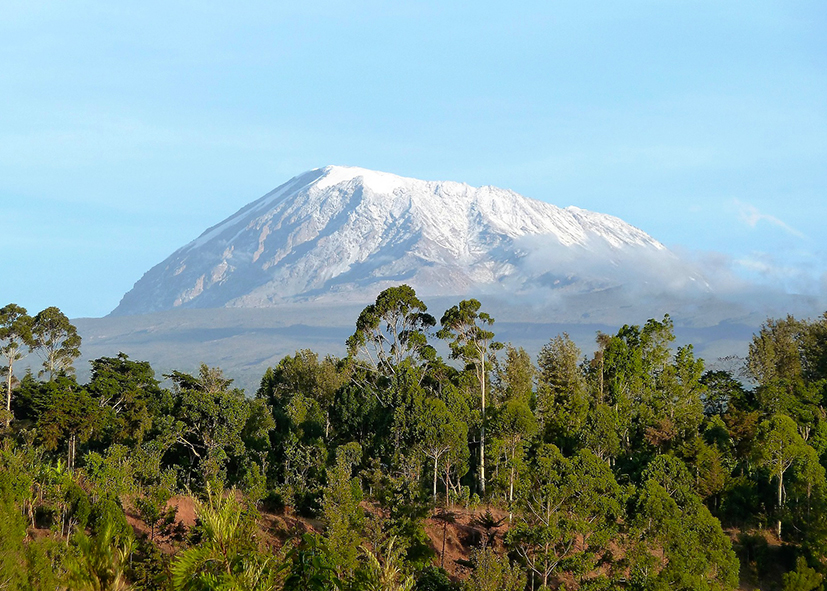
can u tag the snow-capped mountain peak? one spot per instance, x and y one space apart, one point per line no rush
343 232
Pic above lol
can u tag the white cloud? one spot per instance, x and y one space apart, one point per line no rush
750 215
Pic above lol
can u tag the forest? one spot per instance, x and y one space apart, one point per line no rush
431 457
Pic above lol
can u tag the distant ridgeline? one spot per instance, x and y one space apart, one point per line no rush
397 467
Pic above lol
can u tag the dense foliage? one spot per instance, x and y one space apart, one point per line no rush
635 468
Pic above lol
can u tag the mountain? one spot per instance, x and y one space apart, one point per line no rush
342 234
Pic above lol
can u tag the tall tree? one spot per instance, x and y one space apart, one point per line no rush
129 396
562 402
439 432
515 376
392 329
779 446
211 420
472 342
778 356
56 340
15 338
71 416
514 425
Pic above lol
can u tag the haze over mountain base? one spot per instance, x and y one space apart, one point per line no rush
244 342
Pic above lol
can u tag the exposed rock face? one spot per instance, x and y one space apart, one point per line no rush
344 234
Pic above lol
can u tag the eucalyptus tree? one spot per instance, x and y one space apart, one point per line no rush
514 425
392 330
56 340
779 446
439 432
391 348
473 343
15 339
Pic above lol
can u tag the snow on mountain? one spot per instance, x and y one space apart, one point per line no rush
342 234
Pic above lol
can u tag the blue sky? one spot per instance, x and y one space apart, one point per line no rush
127 128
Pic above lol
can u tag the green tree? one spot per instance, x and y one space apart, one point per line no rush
721 387
304 373
515 376
71 416
514 425
601 432
675 401
542 535
562 401
130 397
392 329
778 447
776 362
493 572
439 432
803 578
681 546
111 474
211 421
595 505
56 340
473 343
341 513
15 338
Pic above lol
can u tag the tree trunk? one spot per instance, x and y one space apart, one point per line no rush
511 484
482 433
444 530
511 492
780 488
435 473
8 393
69 454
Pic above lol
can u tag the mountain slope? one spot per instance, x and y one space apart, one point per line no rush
343 234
